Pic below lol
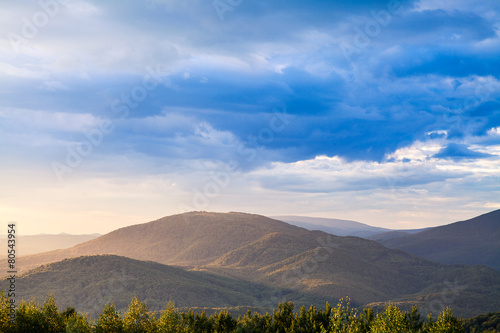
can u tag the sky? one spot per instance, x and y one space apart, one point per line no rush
114 113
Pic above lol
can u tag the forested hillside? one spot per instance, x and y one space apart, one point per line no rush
307 267
88 283
488 322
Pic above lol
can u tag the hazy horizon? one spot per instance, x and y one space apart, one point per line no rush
322 223
381 112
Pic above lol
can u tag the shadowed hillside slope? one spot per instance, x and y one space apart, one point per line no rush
472 242
90 282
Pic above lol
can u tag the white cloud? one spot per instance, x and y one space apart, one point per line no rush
405 168
212 137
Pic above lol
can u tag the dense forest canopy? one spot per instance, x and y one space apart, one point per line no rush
31 317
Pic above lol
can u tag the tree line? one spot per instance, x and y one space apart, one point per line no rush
31 317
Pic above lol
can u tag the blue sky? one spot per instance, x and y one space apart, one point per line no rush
116 113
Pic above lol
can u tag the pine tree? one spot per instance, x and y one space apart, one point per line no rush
29 318
137 318
447 323
392 320
283 317
414 321
222 322
55 321
343 319
109 320
77 323
170 320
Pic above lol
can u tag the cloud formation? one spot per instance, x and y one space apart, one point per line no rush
307 97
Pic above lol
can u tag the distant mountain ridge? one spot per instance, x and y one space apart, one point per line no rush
308 267
333 226
474 241
32 244
393 234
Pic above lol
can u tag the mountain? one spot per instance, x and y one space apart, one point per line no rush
31 244
300 265
472 242
488 322
88 283
332 226
345 227
190 239
393 234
